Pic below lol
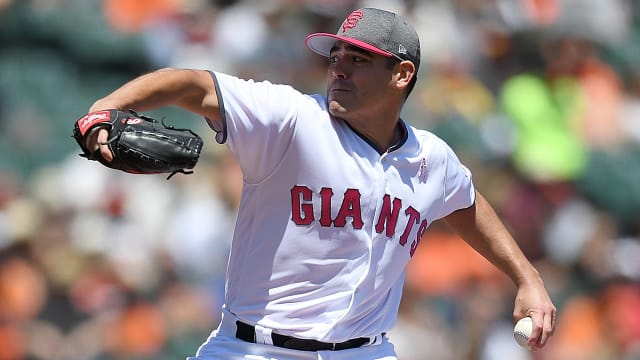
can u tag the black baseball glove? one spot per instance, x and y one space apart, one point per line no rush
140 144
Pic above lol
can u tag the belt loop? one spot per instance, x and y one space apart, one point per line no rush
375 340
263 335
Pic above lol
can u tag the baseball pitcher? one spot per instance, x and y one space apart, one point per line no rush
338 190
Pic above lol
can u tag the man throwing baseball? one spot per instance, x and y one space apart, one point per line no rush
338 190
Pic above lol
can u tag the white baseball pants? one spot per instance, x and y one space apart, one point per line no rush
223 345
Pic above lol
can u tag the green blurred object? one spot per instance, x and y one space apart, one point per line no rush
75 28
42 95
56 59
611 181
547 149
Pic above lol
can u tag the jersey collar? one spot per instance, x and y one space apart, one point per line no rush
403 139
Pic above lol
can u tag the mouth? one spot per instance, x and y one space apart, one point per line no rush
338 90
339 86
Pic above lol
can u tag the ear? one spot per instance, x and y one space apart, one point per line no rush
406 72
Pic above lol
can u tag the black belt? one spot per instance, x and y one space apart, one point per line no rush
247 333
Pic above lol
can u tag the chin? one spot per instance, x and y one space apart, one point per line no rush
336 108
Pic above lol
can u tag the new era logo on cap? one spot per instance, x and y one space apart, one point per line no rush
378 31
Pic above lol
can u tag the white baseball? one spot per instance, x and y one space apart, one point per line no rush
522 331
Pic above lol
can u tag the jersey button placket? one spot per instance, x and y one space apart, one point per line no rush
380 187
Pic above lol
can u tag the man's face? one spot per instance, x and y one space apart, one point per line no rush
358 81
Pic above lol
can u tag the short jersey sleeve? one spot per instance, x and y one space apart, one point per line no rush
258 122
459 191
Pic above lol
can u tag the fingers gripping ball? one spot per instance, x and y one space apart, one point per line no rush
139 144
522 331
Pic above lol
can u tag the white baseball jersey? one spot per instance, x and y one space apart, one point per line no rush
326 224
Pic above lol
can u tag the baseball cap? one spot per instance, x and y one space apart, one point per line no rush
375 30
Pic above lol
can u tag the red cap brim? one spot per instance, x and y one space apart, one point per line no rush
322 43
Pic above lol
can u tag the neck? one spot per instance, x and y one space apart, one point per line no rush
378 123
382 137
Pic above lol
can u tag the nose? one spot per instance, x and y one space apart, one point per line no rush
338 70
338 73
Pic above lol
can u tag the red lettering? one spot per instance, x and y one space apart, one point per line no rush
301 206
350 208
421 230
388 216
302 213
88 121
325 206
414 217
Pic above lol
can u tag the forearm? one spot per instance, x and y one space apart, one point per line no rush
481 228
192 90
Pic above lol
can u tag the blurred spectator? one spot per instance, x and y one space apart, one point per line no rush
133 15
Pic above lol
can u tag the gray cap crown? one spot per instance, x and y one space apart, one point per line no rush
379 31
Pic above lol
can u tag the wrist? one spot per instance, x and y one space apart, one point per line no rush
104 105
531 276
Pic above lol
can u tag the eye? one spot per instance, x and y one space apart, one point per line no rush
359 59
333 59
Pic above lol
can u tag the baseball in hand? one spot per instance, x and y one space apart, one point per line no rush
522 331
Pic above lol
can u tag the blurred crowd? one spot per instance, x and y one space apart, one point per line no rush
540 98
